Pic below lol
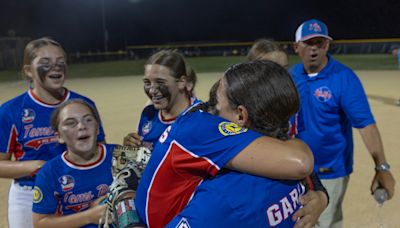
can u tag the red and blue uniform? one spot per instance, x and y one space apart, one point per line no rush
234 199
63 187
196 146
329 109
26 132
152 124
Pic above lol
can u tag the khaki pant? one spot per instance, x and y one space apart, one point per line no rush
332 217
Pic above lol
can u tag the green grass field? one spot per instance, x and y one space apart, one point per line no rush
202 65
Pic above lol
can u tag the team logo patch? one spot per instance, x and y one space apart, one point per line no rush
183 224
28 115
37 195
147 127
323 94
315 27
67 182
229 128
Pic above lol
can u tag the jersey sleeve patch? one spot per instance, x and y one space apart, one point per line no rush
229 128
37 195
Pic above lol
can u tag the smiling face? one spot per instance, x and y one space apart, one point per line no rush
77 128
313 53
163 89
47 70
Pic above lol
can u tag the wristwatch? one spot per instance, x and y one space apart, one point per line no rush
382 167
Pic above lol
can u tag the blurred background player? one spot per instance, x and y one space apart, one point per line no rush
27 140
332 102
169 83
233 199
67 186
265 49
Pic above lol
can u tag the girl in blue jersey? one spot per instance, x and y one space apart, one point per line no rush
265 49
69 187
27 140
169 83
234 199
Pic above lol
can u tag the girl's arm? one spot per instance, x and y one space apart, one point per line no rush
16 169
90 216
269 157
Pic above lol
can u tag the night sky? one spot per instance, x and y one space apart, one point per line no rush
77 24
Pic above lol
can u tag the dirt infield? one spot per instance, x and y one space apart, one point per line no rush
120 101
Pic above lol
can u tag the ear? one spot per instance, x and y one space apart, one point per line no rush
328 45
59 139
296 47
242 117
182 82
28 71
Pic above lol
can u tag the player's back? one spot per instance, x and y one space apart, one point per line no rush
233 199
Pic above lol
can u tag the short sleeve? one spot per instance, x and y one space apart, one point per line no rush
214 138
44 194
355 103
8 131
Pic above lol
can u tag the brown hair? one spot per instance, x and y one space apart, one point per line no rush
171 59
262 47
33 46
55 116
267 91
191 77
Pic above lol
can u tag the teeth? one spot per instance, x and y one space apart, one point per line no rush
157 98
55 76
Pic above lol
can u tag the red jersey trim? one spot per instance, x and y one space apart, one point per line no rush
173 183
86 166
165 121
293 128
38 101
13 146
171 120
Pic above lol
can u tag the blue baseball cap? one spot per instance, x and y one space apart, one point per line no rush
310 29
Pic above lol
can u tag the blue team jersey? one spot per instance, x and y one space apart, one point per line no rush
152 124
332 103
26 132
235 199
64 188
193 148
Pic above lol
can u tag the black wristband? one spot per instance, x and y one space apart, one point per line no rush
314 183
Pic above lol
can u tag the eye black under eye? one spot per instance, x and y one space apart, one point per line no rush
45 66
